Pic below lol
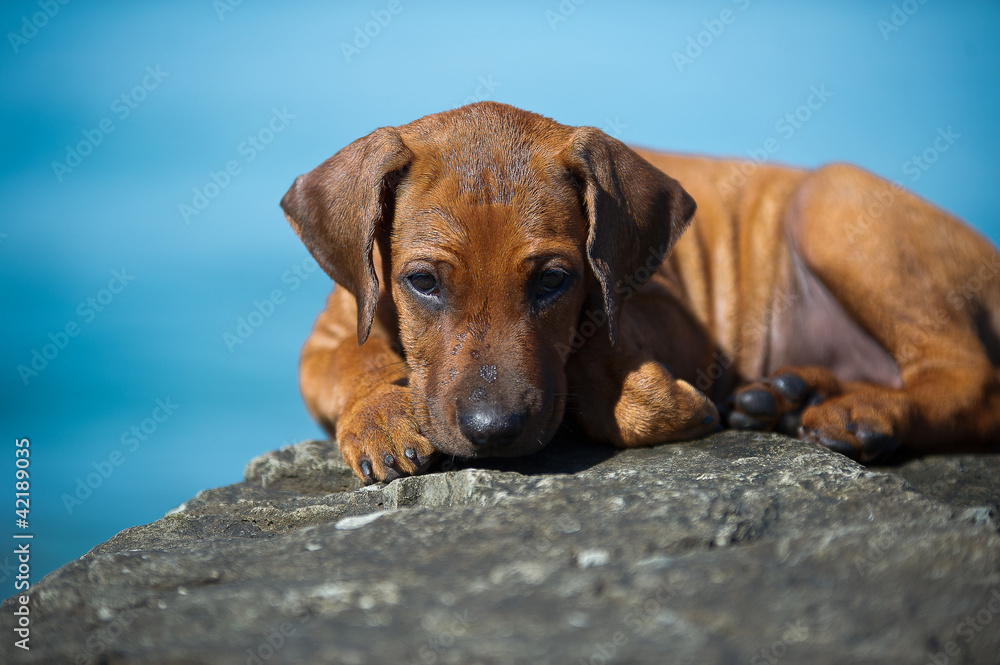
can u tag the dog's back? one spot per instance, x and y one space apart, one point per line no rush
740 261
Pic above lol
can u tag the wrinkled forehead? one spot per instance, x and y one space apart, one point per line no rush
501 203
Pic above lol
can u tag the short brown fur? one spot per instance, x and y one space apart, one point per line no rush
829 304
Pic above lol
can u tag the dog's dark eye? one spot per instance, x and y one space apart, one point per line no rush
424 283
551 280
550 284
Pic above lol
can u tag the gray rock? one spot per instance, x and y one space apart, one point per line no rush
737 548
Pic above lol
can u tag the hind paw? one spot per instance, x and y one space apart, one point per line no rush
774 404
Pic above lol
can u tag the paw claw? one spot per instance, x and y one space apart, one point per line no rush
379 437
421 462
367 474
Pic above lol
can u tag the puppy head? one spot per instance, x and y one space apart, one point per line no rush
495 227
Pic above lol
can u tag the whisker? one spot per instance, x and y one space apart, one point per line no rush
385 370
566 426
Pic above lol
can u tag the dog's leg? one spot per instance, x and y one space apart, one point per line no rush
359 394
641 405
895 265
625 396
794 395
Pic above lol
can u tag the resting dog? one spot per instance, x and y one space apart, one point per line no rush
498 272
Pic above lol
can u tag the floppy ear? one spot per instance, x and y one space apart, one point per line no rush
337 208
635 211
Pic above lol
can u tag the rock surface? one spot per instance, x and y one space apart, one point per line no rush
740 548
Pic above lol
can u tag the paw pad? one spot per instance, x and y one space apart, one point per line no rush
773 404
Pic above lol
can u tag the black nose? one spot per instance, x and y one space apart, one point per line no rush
489 427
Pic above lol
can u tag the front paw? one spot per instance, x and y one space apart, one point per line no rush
379 437
653 407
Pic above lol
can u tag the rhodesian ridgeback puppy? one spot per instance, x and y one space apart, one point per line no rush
498 272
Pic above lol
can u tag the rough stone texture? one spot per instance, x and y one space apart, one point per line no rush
740 548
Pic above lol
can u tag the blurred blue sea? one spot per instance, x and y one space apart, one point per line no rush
145 146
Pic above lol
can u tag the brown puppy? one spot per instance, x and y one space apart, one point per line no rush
485 256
